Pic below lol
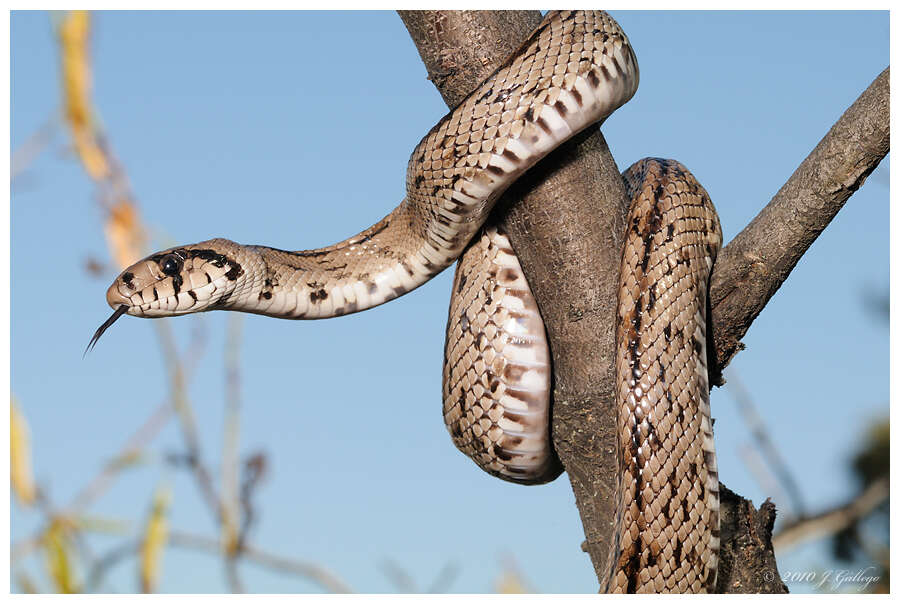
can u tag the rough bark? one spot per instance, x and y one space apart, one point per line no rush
565 219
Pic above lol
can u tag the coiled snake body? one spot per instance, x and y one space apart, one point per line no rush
576 69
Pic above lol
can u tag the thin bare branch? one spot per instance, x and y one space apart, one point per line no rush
397 575
765 444
319 575
230 495
444 579
231 574
140 438
28 151
767 482
831 521
185 414
754 264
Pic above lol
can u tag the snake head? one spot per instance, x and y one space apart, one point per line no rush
176 281
179 280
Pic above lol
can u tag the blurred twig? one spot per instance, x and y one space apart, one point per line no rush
763 474
444 579
185 415
28 151
313 572
324 578
139 439
766 447
397 575
831 521
230 502
404 583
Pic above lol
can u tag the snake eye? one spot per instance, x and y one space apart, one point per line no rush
170 265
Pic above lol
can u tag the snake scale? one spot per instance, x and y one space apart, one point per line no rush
574 70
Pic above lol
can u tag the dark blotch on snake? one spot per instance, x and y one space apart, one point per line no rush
697 344
320 294
501 453
234 272
508 275
633 566
577 95
606 74
543 125
462 283
127 279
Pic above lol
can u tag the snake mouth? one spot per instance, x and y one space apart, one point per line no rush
106 324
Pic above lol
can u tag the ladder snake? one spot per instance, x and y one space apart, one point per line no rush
575 69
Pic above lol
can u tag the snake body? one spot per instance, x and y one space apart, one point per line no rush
575 70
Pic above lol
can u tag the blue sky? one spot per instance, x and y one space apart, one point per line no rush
230 124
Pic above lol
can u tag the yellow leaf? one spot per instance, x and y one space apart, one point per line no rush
20 456
58 558
74 32
156 535
510 583
124 233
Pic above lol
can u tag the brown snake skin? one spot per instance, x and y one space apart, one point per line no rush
576 69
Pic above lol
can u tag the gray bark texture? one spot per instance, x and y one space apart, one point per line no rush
566 219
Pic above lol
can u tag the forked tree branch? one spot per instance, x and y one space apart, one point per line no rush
566 225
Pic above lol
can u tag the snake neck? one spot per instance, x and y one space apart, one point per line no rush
379 264
575 70
531 105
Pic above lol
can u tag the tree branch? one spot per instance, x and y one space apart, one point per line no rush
754 264
566 225
834 520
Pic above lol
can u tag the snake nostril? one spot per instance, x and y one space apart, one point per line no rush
128 280
116 298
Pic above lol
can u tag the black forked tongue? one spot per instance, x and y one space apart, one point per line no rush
118 313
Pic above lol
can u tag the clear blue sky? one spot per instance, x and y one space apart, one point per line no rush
230 124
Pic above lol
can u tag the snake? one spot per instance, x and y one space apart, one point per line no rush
573 71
